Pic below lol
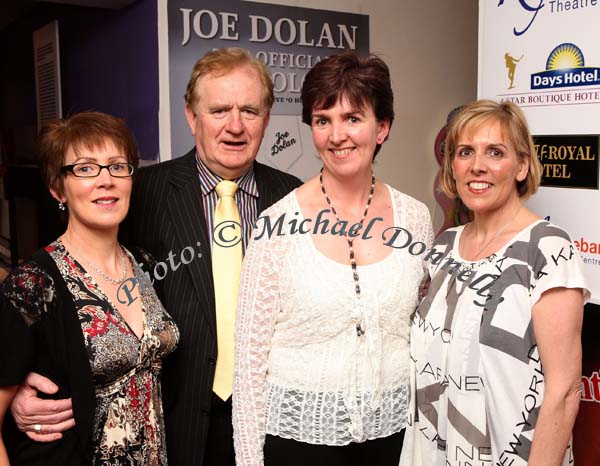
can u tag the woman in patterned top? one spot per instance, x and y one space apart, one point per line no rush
496 343
322 367
82 312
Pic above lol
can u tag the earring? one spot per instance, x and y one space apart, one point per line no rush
61 206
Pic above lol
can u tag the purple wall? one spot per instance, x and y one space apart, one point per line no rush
109 63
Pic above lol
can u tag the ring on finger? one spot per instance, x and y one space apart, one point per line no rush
37 428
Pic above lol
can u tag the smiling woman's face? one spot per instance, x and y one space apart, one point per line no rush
98 203
345 137
486 168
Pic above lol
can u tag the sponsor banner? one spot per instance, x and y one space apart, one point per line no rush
290 40
587 442
568 161
541 53
544 55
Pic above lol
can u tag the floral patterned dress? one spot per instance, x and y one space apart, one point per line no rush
128 422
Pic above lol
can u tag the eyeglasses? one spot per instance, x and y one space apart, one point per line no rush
92 170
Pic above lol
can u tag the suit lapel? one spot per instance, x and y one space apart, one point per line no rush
186 209
187 214
266 198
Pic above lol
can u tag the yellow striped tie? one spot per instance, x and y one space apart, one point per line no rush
227 266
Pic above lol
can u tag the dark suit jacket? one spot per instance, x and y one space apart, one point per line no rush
166 216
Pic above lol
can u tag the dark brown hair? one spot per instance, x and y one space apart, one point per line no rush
361 80
86 130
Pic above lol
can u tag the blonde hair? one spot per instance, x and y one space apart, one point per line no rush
514 126
221 62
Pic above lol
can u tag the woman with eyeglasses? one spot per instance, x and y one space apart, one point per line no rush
82 313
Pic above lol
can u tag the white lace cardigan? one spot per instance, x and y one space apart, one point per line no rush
301 370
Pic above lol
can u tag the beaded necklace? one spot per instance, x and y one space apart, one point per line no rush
357 314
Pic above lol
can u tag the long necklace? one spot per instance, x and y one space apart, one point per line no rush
498 232
98 270
358 312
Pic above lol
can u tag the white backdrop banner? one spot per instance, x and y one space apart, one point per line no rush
290 40
544 55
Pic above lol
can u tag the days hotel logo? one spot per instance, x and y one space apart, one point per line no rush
565 67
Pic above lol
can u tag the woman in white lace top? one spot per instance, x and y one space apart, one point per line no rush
329 283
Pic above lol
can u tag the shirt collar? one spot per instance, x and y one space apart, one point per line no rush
210 180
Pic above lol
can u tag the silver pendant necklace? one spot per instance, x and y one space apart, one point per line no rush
357 314
98 270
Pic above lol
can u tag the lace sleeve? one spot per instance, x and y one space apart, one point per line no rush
424 229
257 312
418 219
25 298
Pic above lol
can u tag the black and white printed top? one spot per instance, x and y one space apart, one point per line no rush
478 374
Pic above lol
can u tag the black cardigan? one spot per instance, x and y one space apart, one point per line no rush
60 355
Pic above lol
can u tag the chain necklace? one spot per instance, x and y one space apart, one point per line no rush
358 315
98 270
498 232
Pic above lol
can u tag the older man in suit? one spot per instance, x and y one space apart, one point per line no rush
180 204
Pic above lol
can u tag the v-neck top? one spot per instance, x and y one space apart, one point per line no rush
128 427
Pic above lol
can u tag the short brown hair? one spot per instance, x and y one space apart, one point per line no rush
89 130
514 126
359 79
223 61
